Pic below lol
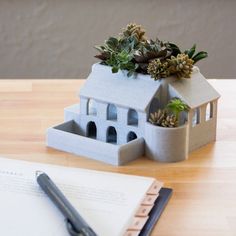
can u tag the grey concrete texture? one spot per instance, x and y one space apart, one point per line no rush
55 39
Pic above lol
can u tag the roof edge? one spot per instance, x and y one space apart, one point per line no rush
98 67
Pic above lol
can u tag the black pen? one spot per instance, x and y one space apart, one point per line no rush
76 225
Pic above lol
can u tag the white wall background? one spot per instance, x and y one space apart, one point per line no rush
55 38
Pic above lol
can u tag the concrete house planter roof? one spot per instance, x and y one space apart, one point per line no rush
138 91
135 92
194 91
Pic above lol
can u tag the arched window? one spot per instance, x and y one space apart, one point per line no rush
91 130
131 136
132 117
209 111
111 135
91 107
196 117
111 112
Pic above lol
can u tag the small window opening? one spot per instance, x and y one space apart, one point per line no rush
209 111
91 107
131 136
132 117
91 130
111 135
196 117
111 112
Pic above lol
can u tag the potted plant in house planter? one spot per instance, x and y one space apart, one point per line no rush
141 99
166 136
133 52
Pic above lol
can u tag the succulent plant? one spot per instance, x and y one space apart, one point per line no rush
122 61
176 106
195 57
169 116
119 54
133 52
161 118
175 49
170 121
110 46
157 117
157 69
181 65
134 30
150 50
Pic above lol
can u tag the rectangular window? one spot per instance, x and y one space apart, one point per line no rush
209 111
196 117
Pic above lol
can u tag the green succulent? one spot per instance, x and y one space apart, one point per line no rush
122 61
175 49
195 56
119 54
133 52
169 116
149 50
176 106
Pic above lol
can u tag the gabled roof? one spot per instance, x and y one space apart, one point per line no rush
195 91
134 92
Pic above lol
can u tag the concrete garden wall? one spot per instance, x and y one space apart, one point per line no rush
68 137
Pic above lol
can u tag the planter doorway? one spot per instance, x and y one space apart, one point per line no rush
91 130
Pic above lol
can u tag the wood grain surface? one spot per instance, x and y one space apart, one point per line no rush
204 198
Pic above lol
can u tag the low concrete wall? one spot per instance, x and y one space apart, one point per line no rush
66 137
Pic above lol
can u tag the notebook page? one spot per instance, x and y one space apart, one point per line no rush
107 201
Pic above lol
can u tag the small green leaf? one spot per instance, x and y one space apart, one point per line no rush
112 43
114 69
186 52
192 51
199 56
175 49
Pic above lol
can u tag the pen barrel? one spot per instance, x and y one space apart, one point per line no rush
58 198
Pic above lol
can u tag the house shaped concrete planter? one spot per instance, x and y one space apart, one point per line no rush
110 122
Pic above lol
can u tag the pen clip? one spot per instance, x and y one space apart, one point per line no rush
73 232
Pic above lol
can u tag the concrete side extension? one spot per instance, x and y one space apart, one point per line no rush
67 137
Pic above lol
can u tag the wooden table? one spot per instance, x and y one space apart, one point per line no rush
204 198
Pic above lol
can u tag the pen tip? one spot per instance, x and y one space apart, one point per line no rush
38 173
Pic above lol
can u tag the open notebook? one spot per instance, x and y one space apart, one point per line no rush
112 204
